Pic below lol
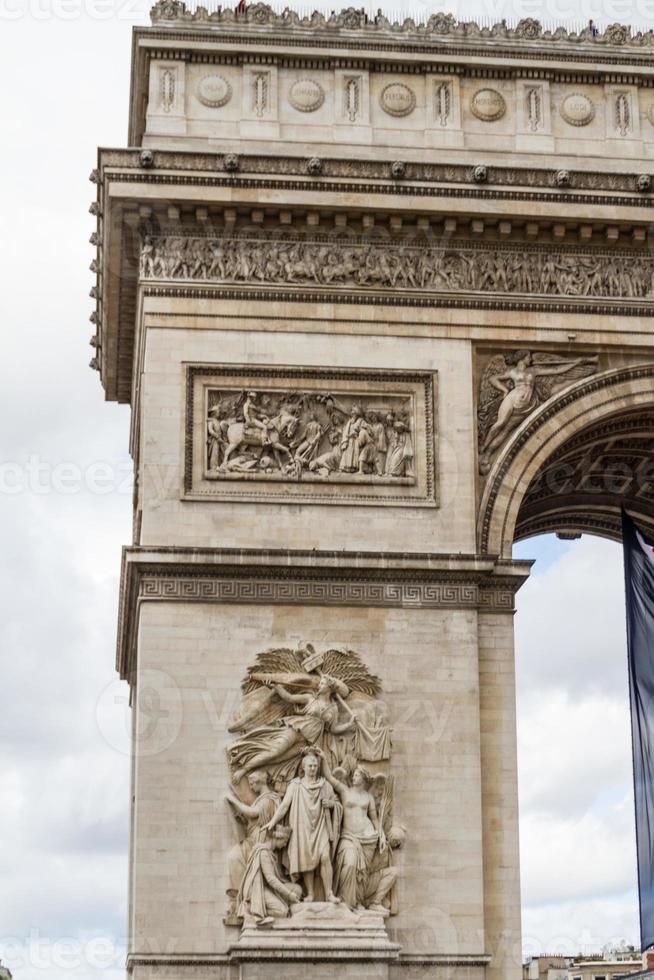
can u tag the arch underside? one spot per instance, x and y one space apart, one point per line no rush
582 486
574 462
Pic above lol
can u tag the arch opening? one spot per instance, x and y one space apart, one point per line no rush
572 464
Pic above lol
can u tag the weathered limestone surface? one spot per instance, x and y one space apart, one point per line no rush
361 300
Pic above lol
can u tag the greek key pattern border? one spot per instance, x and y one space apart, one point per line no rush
421 595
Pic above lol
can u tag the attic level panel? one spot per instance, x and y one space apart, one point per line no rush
192 105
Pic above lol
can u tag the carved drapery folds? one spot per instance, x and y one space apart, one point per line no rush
311 789
514 384
415 266
309 434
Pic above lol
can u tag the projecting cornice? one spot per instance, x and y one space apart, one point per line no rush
408 207
314 578
352 24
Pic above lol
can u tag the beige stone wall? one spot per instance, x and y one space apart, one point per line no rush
191 659
447 528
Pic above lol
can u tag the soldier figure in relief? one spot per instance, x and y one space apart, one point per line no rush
254 816
350 441
264 893
250 413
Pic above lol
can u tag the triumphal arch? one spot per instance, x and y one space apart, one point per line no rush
380 297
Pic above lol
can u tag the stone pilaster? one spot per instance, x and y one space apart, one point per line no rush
499 790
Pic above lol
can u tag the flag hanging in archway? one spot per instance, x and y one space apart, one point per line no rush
639 585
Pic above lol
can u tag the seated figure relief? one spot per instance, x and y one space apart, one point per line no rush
312 726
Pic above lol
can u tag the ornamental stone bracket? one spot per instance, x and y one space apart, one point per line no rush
309 578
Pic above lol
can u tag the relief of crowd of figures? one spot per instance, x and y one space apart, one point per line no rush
294 435
435 268
310 791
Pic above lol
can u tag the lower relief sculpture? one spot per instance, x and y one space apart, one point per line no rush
312 757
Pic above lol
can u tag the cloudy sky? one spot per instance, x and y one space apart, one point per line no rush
65 511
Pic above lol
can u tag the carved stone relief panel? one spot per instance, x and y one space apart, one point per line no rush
166 93
443 102
309 435
259 93
351 98
533 107
513 384
622 112
310 782
414 266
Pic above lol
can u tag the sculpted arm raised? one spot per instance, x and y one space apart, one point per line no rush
340 787
281 811
497 379
543 370
247 811
285 695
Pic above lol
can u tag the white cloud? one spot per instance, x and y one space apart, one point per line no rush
63 820
576 803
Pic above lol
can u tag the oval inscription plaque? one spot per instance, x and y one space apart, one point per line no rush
214 91
306 95
488 105
577 109
397 99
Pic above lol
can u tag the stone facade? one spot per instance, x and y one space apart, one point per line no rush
355 374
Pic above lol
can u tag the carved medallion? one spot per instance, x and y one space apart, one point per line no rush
577 109
650 113
397 99
214 91
311 435
313 740
306 95
488 105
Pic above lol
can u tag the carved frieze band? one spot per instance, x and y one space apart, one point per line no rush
429 173
422 595
488 590
415 267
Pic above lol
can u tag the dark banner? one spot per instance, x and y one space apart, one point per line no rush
639 583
